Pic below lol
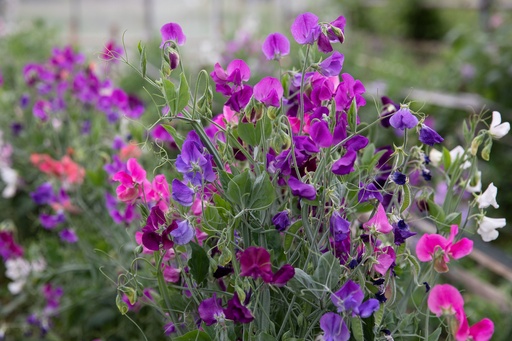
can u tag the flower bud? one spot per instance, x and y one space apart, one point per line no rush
477 141
486 152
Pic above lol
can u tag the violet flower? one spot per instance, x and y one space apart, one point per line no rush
210 310
301 189
41 110
181 193
184 232
237 312
350 299
429 136
269 91
339 227
172 31
281 220
194 166
398 178
334 328
367 192
332 65
403 119
68 235
50 221
305 29
345 164
43 194
347 90
275 46
402 232
388 109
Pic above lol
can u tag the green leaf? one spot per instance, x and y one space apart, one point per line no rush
265 337
435 211
352 116
447 159
435 335
143 58
357 329
379 315
368 153
213 220
195 335
328 271
225 179
178 138
239 189
184 94
170 95
198 263
290 235
453 218
406 198
248 133
263 193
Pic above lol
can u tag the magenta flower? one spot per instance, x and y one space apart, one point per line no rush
237 72
379 222
347 90
41 110
437 247
334 34
8 247
239 99
386 257
275 46
305 29
237 312
210 310
129 189
172 31
320 134
301 189
269 91
68 235
332 65
255 263
480 331
334 328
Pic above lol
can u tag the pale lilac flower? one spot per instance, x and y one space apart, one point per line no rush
334 328
332 65
403 119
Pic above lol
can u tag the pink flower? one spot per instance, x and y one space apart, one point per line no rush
429 244
379 221
386 257
128 190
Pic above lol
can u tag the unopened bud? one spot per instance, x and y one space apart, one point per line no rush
477 141
486 152
272 112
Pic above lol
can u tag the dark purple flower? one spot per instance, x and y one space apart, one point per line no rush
269 91
339 227
134 107
210 310
368 192
184 233
43 194
399 178
305 29
301 189
41 109
402 232
283 275
236 312
181 193
172 31
345 164
239 99
255 263
236 73
429 136
16 128
356 142
49 221
403 119
388 109
332 65
68 235
334 328
169 328
275 46
116 214
24 100
281 220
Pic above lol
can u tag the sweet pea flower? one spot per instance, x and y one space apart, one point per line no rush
480 331
255 263
487 227
403 119
68 235
430 244
210 310
281 220
498 129
345 164
332 65
181 193
237 312
379 222
305 29
339 227
429 136
269 91
301 189
172 31
184 233
129 187
275 46
334 328
367 192
350 299
445 299
488 197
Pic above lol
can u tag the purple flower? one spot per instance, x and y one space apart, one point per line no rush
195 166
275 46
239 99
345 164
50 221
210 310
184 233
301 189
356 142
305 29
347 90
334 328
41 109
429 136
334 34
368 192
269 91
16 128
172 31
349 297
281 220
8 247
117 215
367 308
332 65
339 227
320 133
283 275
68 235
399 178
255 263
237 312
388 109
236 73
43 194
181 193
403 119
402 232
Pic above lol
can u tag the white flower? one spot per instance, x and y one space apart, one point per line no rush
478 186
488 197
458 152
10 177
435 156
498 129
18 270
488 226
